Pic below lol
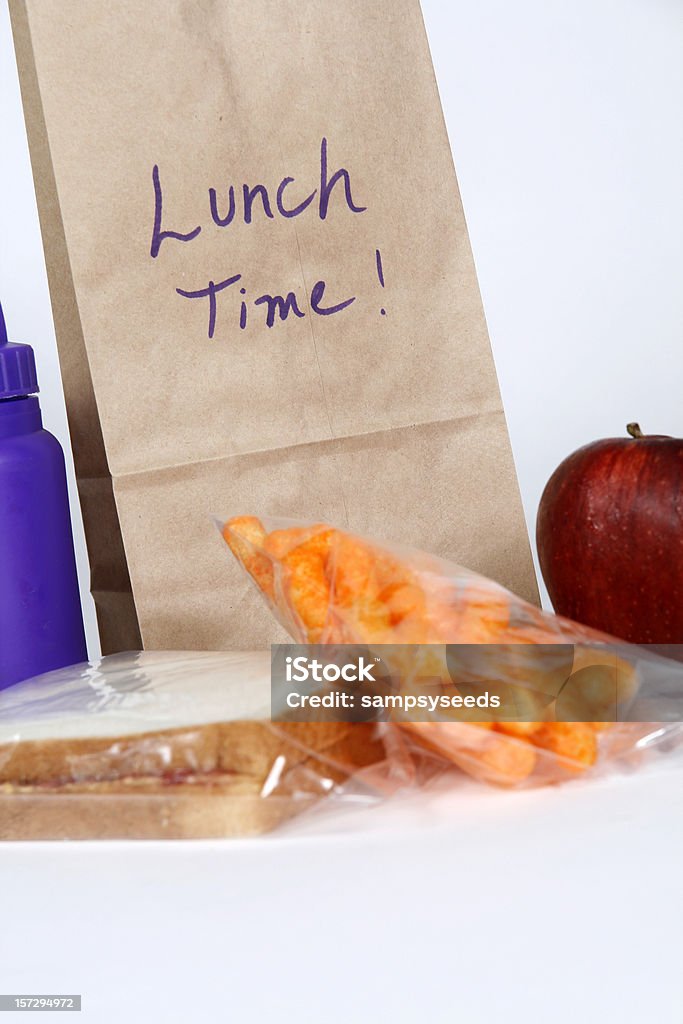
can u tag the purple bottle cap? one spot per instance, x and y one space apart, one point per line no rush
17 367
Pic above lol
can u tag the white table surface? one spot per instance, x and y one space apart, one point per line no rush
474 906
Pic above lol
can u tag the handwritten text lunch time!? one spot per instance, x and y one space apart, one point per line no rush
257 200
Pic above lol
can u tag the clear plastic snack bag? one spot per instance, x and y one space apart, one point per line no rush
570 699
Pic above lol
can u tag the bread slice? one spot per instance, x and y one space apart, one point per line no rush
126 809
163 745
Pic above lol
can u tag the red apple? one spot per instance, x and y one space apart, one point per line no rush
610 537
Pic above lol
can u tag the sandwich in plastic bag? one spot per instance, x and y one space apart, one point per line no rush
164 745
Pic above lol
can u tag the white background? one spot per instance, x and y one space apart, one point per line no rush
565 121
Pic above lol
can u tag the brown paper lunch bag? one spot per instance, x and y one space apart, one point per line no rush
264 296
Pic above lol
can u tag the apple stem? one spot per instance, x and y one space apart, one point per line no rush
634 430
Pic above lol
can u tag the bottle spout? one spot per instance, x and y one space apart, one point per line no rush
18 376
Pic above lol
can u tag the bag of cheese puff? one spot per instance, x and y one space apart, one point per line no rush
560 699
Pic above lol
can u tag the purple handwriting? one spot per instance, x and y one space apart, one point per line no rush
276 305
256 199
250 193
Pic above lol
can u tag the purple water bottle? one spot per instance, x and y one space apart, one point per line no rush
41 624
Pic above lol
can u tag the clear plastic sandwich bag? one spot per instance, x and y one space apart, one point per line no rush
171 745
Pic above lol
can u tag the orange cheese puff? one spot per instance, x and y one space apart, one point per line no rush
521 729
405 600
477 750
424 672
609 689
279 543
405 605
483 616
490 614
305 586
245 536
433 623
574 743
507 762
598 690
358 573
